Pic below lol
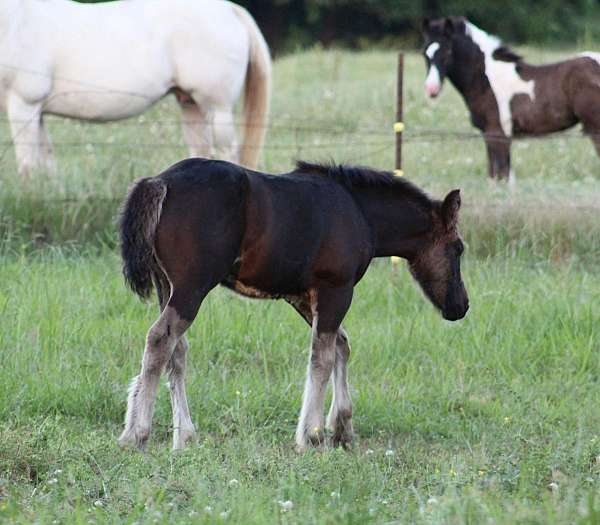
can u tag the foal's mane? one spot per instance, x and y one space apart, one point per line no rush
489 43
362 177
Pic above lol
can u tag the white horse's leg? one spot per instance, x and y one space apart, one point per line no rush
226 143
183 428
322 358
25 123
197 129
339 420
160 343
46 150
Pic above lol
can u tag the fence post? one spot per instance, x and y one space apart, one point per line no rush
399 124
398 129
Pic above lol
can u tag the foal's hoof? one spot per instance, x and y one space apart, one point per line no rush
181 438
342 440
130 441
315 439
342 433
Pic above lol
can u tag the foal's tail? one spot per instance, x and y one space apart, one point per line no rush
257 92
137 226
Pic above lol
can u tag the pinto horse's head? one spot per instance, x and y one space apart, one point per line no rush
436 265
438 34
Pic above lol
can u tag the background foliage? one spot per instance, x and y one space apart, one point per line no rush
289 24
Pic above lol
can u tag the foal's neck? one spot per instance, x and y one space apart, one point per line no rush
398 223
468 70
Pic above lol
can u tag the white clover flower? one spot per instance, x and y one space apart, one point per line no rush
369 452
98 503
208 509
286 505
389 453
335 495
52 481
234 483
432 501
553 486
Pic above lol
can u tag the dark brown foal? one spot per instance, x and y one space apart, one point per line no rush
306 237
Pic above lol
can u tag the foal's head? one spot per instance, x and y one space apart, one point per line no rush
438 50
436 264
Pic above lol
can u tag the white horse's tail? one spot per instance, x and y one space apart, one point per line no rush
257 92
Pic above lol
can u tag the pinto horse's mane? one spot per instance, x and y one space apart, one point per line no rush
489 44
363 177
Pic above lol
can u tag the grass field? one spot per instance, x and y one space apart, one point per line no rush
491 420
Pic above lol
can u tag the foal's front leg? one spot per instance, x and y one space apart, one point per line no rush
329 306
322 359
339 420
498 150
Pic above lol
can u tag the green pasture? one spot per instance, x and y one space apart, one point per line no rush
494 419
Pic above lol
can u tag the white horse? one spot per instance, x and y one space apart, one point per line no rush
110 61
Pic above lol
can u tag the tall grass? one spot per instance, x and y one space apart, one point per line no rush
494 418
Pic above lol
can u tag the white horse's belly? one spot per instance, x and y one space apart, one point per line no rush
113 60
113 88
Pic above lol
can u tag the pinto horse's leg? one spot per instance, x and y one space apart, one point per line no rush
25 127
498 151
329 306
592 129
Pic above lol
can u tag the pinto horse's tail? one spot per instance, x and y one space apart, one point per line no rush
257 92
137 227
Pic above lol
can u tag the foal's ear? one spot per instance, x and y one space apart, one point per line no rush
450 208
448 27
454 24
425 24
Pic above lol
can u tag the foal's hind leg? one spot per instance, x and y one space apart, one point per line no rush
183 428
160 343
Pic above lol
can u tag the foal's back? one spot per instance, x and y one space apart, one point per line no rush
280 234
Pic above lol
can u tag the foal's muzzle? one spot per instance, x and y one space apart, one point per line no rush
456 311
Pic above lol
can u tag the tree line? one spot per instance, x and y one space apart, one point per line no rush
292 24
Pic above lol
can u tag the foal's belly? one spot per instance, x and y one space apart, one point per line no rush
539 116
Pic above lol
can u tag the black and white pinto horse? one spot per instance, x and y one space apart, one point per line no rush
507 97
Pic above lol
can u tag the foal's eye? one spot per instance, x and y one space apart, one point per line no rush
460 248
